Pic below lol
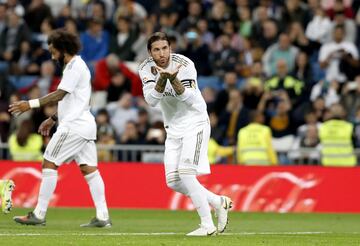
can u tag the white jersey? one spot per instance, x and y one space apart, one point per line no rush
181 113
74 109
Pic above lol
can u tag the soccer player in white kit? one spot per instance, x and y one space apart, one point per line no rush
76 132
170 81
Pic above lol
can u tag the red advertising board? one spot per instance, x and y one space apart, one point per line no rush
136 185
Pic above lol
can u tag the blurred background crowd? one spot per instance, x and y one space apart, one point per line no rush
286 65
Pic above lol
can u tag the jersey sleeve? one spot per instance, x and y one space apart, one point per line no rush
152 97
69 80
187 76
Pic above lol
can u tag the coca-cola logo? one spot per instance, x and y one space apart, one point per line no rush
274 192
27 181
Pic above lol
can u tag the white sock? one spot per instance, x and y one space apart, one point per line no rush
47 187
199 198
97 190
213 199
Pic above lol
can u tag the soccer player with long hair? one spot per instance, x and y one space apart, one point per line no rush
75 134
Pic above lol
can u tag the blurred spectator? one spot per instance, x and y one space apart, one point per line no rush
197 51
129 137
47 26
327 90
156 134
110 72
236 41
36 13
24 145
268 35
207 37
282 50
139 47
56 6
234 117
70 25
32 60
350 97
318 28
336 139
11 37
168 7
334 6
298 38
254 87
121 112
105 134
295 11
254 145
225 59
283 81
277 107
130 9
17 6
245 25
218 15
222 98
47 81
95 42
193 17
143 123
122 40
3 10
260 16
337 56
310 142
302 70
349 27
356 122
209 95
216 152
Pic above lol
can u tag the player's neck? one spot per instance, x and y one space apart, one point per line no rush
67 58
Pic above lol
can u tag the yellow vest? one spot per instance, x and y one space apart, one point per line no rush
254 145
337 149
30 152
215 151
289 83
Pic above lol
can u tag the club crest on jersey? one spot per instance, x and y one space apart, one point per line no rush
153 70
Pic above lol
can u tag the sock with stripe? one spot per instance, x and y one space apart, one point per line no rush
47 188
97 190
198 197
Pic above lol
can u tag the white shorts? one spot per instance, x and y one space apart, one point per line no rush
189 153
66 146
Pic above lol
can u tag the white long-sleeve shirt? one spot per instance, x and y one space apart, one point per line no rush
181 113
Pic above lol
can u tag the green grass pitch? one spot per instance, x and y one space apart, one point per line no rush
159 227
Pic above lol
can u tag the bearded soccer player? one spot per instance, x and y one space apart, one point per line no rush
76 132
170 81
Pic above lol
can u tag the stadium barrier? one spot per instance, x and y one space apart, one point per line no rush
253 189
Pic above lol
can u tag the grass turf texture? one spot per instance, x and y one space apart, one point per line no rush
158 227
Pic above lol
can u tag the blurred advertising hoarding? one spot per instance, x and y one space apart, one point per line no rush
253 189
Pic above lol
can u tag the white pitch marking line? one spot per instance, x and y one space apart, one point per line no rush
167 234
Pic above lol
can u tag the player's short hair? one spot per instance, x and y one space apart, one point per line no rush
64 41
156 37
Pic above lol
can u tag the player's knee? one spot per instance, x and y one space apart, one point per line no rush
49 165
85 169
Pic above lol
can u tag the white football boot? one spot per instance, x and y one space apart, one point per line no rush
222 213
203 231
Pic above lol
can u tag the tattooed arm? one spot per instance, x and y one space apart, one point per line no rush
23 106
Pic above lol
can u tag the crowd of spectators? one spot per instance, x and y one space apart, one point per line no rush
291 60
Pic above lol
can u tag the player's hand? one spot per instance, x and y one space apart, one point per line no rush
166 74
45 127
19 107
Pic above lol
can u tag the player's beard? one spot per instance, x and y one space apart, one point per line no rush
61 61
163 64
